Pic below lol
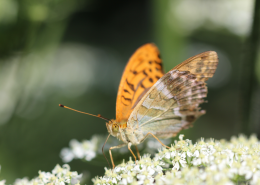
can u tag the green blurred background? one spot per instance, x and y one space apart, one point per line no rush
73 52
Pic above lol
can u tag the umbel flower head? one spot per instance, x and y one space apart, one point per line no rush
205 162
59 175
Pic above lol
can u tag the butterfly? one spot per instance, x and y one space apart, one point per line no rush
151 103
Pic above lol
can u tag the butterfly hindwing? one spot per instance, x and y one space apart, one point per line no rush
142 71
171 105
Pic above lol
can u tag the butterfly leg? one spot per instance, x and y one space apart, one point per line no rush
155 138
129 148
110 153
138 154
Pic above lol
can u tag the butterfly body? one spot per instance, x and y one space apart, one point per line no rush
124 132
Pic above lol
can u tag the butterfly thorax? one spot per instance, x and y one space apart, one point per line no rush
123 132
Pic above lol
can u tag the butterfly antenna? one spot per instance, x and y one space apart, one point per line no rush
98 116
103 150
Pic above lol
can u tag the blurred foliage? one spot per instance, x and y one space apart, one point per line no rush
74 51
249 84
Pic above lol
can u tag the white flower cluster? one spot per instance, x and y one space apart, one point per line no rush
205 162
131 173
59 176
89 149
86 149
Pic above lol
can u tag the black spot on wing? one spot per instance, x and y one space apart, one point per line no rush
159 63
125 90
145 73
127 99
191 76
190 118
198 70
131 86
124 104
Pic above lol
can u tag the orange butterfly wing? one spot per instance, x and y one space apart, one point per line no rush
203 65
143 69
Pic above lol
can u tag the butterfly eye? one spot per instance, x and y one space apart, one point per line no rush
115 128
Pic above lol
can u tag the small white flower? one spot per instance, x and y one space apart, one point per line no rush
2 182
45 176
203 175
178 160
196 153
57 170
77 148
248 175
174 154
90 155
181 136
150 170
196 162
176 166
67 155
86 149
23 181
189 154
256 178
167 155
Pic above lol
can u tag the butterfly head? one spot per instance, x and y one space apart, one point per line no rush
113 127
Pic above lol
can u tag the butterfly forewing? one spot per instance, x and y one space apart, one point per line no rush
202 65
144 68
173 102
